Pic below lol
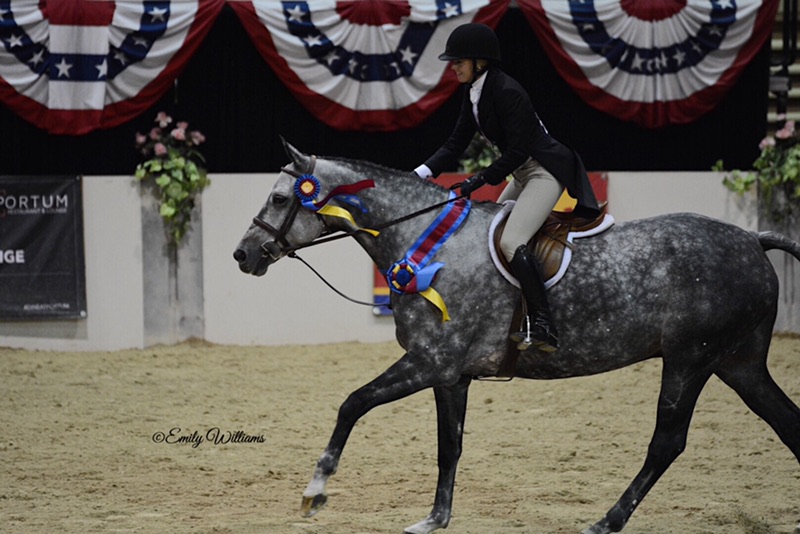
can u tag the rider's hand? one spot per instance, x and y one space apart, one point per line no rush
423 172
472 183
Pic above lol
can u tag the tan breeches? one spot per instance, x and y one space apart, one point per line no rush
536 192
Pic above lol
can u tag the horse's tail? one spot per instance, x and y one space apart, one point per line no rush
772 240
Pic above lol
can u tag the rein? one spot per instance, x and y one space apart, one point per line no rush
280 245
379 227
287 248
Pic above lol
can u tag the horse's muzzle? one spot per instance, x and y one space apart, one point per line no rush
257 263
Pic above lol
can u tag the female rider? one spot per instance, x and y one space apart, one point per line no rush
498 107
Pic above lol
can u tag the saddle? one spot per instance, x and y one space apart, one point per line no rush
552 245
551 242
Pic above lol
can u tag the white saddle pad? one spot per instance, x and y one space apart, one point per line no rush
608 221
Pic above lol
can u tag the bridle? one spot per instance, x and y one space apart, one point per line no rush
273 250
279 245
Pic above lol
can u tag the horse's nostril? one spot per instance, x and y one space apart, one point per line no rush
240 255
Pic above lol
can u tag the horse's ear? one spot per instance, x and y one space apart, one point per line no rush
298 158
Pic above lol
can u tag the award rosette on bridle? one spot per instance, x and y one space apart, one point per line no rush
306 188
415 272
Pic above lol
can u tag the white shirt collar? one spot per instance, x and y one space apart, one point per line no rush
476 89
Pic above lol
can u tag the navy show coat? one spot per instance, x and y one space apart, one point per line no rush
509 120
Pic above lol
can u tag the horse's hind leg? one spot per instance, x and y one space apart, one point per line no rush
680 388
746 373
408 375
451 407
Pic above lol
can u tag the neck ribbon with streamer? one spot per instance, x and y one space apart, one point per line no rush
415 272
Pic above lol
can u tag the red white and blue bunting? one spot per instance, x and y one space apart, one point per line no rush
70 67
363 65
657 62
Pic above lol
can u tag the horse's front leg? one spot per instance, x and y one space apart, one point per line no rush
451 407
408 375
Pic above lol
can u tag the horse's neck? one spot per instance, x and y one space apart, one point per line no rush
392 198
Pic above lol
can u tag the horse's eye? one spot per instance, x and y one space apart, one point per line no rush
279 200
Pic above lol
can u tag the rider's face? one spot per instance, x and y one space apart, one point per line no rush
463 68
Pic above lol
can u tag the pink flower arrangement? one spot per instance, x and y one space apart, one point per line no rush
175 165
787 132
767 141
776 168
163 119
180 139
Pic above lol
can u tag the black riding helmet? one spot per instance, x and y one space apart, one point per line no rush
472 41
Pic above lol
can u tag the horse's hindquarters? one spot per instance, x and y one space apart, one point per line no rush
673 285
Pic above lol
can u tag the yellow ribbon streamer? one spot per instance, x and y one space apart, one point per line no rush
336 211
436 299
430 294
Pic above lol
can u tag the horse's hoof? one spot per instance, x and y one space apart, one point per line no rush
597 528
312 505
426 526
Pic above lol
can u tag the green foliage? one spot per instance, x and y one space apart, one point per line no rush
177 170
479 155
777 168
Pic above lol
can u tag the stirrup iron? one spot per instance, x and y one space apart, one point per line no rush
523 337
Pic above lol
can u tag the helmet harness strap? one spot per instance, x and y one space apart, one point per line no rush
477 71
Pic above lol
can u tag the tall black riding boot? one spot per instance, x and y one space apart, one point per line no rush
539 330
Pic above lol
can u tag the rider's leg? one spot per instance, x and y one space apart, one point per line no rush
536 192
539 330
511 191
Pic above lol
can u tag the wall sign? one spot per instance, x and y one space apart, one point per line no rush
42 264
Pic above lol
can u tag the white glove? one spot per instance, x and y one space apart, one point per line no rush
423 172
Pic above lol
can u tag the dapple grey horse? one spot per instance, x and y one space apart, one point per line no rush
696 292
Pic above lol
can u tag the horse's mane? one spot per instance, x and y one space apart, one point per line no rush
384 171
357 163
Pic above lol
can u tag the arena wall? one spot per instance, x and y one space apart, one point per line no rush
114 277
133 303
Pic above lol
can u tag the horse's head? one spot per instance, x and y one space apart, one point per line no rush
282 223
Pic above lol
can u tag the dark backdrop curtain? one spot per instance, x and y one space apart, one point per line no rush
229 93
